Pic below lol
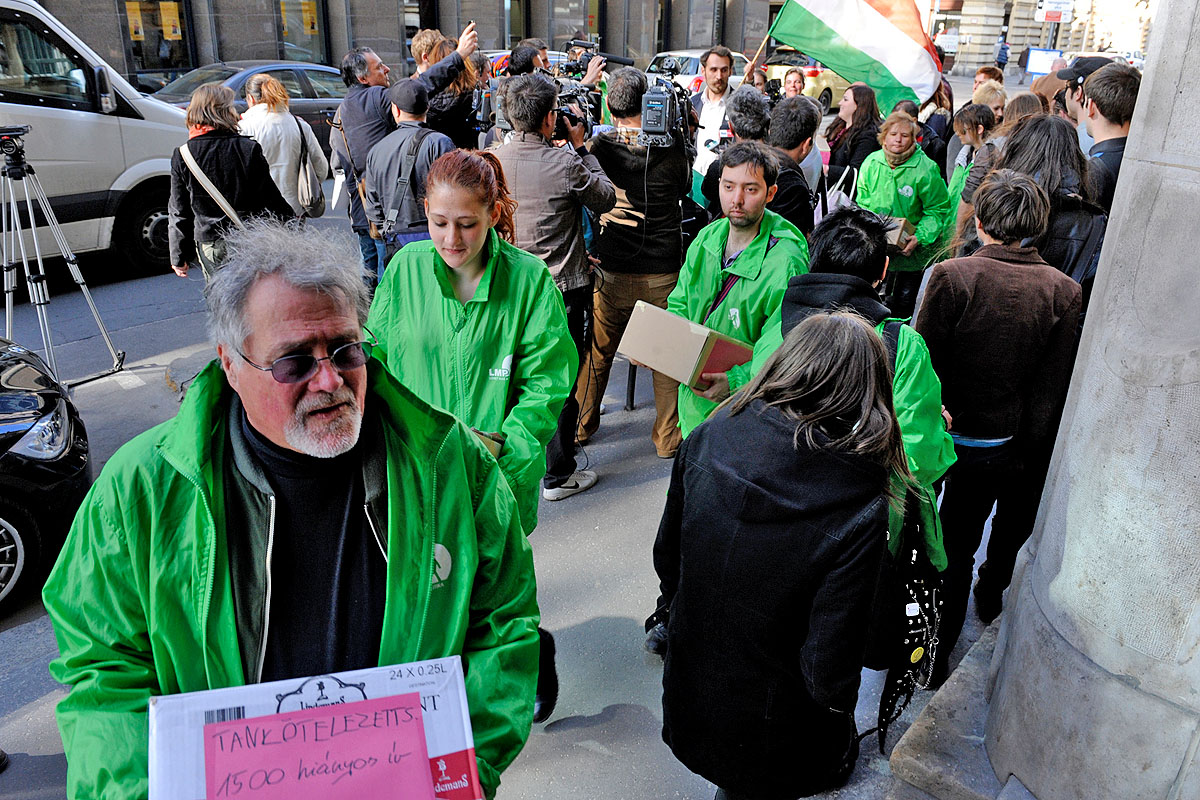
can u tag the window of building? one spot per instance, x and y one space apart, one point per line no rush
158 41
303 31
38 68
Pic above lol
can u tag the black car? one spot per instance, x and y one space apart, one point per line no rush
314 90
45 469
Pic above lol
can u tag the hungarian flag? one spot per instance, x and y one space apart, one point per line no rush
878 42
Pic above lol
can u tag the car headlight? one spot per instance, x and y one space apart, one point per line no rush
48 438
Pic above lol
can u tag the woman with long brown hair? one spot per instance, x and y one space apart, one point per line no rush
476 326
451 110
854 133
768 555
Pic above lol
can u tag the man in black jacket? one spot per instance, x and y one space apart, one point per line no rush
794 122
395 197
640 249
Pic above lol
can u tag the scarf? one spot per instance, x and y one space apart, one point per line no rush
895 160
199 130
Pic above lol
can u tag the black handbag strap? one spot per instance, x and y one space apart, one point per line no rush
891 341
731 279
303 141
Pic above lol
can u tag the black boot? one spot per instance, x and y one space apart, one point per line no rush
547 683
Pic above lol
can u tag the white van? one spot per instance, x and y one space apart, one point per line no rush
101 149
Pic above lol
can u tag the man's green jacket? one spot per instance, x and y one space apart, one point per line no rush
762 269
917 397
501 362
142 599
914 190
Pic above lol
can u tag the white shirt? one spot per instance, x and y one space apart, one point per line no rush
279 138
712 117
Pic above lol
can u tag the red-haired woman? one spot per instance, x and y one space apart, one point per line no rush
476 326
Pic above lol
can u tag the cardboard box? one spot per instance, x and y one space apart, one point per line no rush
177 721
679 348
899 236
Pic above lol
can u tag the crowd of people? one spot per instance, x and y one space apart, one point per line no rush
353 481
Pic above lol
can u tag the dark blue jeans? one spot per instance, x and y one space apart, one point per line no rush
373 251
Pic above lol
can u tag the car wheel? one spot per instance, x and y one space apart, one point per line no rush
20 552
826 101
141 232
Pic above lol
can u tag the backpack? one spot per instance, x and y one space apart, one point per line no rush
902 637
405 183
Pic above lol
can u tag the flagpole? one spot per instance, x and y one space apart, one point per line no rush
761 46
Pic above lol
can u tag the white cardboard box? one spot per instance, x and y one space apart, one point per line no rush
177 721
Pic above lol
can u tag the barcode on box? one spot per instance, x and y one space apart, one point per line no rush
224 715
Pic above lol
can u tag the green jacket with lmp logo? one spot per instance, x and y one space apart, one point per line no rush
763 269
914 190
142 595
501 362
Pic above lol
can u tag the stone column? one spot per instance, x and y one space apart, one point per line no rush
1097 685
978 33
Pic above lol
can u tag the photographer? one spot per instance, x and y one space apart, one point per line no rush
552 185
640 250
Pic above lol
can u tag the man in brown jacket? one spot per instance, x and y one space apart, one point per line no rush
552 187
1001 330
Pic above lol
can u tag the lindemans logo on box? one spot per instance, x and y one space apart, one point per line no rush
322 690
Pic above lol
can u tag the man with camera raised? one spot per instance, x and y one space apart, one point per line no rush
640 249
552 187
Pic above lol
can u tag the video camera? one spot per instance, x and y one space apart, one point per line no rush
572 92
578 68
663 105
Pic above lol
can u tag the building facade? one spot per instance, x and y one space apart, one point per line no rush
154 42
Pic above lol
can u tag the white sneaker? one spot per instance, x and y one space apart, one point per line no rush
580 481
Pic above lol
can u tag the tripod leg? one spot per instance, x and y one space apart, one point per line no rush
35 278
8 248
118 356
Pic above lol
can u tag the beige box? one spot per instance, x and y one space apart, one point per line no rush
899 236
677 347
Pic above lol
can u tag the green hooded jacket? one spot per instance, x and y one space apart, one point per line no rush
917 397
142 595
501 362
914 190
763 268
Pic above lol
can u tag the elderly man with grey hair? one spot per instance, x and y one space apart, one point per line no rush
303 514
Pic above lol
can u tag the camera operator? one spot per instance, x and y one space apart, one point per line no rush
542 59
640 249
794 122
749 117
552 186
709 103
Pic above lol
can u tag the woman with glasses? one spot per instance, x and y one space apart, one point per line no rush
768 555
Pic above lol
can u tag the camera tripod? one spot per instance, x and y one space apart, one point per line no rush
17 170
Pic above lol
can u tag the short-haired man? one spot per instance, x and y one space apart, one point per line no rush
847 264
542 59
363 118
736 271
1075 75
1001 327
987 73
748 113
397 167
716 65
269 530
794 122
1110 95
552 187
522 61
437 75
640 250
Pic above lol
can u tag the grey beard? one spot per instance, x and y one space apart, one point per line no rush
325 440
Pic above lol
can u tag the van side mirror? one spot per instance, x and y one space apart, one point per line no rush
105 99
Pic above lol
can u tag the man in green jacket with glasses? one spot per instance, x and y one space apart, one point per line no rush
304 513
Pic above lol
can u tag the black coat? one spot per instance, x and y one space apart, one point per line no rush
768 555
853 153
237 167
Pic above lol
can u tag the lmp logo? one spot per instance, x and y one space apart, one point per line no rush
735 318
503 372
441 564
907 191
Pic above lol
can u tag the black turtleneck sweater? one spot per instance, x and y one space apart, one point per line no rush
328 576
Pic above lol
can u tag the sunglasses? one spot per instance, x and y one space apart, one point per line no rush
298 368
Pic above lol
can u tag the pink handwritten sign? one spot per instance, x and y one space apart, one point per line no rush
369 748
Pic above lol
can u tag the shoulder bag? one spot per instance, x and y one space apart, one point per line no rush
308 187
840 196
212 190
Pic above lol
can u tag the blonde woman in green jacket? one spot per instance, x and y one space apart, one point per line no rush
901 181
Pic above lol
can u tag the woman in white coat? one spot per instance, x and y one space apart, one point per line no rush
278 132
